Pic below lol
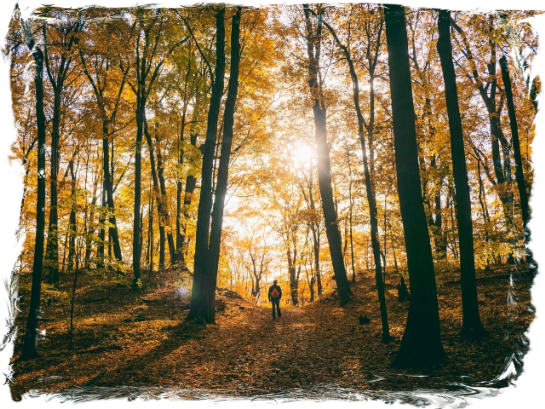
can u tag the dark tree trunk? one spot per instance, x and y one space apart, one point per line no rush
164 200
315 228
101 231
179 255
108 187
159 190
292 269
316 248
421 343
136 235
29 340
202 305
368 187
330 214
324 167
350 217
373 219
150 244
107 161
52 248
223 167
471 326
72 228
526 216
90 227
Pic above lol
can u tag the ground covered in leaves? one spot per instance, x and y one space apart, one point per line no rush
124 339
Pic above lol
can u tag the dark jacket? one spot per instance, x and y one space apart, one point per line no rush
277 289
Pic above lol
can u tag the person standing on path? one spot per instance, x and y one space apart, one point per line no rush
275 293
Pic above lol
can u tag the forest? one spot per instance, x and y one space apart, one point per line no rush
374 160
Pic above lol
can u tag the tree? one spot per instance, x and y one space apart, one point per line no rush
29 346
100 79
66 31
147 66
202 302
369 188
313 39
472 326
421 343
525 208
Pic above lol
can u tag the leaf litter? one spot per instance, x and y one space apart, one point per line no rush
135 350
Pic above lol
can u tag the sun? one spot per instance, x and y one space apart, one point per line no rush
301 154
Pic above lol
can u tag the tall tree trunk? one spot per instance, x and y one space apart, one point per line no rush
190 185
164 200
29 340
292 269
52 248
190 75
315 228
316 252
503 176
202 305
471 324
150 231
108 187
157 191
421 343
101 231
136 237
350 219
179 255
223 167
333 234
90 227
526 216
72 228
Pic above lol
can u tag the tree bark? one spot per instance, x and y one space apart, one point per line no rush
29 340
52 248
223 167
164 199
108 187
333 234
529 244
471 324
421 343
368 187
202 305
72 228
136 236
159 189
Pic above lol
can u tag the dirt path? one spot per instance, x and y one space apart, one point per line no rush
248 350
142 341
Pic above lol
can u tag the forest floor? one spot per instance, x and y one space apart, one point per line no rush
126 343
